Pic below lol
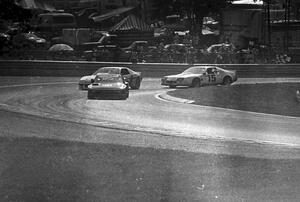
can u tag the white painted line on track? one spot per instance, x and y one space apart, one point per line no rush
168 98
172 99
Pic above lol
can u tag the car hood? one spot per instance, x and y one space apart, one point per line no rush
181 75
86 79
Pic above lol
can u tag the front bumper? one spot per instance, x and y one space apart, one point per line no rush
173 82
83 86
107 94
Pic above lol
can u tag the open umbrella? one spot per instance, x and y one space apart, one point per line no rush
220 47
60 47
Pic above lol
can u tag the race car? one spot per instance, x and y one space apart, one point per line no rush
108 86
133 78
199 76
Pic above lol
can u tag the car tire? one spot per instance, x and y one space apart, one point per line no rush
89 96
227 80
136 84
124 96
196 83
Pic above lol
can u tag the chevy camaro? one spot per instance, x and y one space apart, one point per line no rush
108 86
199 76
133 78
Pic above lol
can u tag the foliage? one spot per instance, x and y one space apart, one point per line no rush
12 11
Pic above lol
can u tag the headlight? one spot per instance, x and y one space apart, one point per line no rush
180 80
122 86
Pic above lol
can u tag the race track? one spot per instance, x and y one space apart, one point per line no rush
55 108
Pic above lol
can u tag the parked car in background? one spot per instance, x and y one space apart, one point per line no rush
55 21
106 39
133 78
108 86
200 76
29 40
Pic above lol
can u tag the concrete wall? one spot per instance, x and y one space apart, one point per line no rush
77 69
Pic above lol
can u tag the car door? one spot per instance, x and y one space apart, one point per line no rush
126 74
219 76
210 76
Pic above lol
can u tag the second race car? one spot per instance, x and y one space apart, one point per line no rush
199 76
133 78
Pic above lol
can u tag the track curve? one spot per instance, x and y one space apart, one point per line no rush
143 112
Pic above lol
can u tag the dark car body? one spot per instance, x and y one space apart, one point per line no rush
107 86
29 40
133 78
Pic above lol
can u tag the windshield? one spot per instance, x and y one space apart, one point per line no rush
108 79
108 70
195 70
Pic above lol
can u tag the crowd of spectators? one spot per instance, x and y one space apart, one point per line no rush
179 47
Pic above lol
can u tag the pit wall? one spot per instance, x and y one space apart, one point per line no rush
78 68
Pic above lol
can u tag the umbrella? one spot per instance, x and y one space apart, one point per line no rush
220 47
60 47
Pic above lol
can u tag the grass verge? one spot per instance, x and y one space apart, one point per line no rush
271 98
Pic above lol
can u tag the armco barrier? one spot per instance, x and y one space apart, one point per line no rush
80 68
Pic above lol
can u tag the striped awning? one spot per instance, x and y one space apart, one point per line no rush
34 4
131 22
111 14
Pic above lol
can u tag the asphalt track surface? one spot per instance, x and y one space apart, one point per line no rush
54 108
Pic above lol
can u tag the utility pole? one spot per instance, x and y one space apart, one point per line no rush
288 23
269 27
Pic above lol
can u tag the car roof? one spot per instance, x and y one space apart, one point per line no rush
107 75
204 67
113 67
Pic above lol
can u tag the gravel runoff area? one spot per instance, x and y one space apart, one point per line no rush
34 170
271 98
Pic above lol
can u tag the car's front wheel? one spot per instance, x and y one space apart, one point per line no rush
227 80
196 83
136 83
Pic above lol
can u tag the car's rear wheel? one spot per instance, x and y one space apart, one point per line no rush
227 80
196 83
136 83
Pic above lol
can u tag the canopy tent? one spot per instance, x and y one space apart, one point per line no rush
131 23
111 14
34 4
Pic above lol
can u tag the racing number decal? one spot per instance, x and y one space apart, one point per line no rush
211 78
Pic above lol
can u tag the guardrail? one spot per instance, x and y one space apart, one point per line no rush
80 68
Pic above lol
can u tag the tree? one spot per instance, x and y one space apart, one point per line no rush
13 12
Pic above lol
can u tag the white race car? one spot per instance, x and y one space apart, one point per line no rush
199 76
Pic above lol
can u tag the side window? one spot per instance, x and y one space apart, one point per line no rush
124 72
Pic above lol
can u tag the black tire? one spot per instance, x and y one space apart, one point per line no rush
124 96
227 80
89 96
196 83
136 84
